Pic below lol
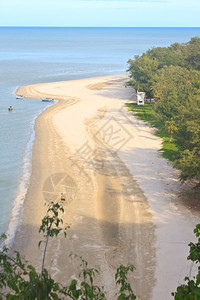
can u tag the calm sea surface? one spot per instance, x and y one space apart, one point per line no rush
36 55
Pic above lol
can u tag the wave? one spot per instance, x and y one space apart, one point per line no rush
17 209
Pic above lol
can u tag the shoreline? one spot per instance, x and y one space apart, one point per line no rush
133 223
17 208
16 214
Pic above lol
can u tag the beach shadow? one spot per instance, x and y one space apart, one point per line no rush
101 243
118 91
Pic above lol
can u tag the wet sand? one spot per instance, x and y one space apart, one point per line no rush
121 196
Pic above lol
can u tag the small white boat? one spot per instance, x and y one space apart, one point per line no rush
19 97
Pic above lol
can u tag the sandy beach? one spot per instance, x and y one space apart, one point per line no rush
122 196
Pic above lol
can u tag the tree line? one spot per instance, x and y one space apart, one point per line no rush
171 75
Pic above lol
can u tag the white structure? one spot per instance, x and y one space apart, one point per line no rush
140 98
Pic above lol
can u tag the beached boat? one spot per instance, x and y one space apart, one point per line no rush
47 100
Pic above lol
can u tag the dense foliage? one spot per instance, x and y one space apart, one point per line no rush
172 77
191 289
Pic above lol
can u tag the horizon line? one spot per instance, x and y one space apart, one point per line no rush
37 26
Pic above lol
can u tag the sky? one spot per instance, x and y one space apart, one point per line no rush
100 13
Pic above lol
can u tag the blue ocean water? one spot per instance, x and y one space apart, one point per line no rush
36 55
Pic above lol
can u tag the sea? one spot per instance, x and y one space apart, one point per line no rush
31 55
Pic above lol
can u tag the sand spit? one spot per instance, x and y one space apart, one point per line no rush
122 196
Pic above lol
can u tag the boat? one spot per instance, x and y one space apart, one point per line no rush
10 108
47 100
19 97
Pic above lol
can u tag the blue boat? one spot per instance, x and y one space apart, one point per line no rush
47 100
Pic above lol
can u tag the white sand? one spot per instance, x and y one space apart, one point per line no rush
127 207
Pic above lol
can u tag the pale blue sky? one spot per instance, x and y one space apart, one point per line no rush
121 13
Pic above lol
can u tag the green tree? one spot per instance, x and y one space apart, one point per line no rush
171 76
192 53
171 128
20 280
173 90
191 289
142 72
170 56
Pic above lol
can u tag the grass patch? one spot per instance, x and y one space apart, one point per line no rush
147 114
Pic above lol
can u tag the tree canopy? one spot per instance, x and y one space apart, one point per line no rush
172 77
